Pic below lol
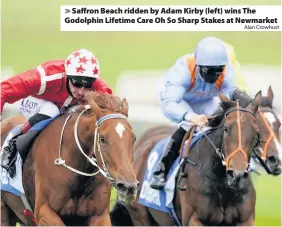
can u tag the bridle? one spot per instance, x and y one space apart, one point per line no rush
219 151
104 171
271 136
262 157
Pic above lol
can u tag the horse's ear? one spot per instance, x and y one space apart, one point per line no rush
255 103
124 107
226 102
270 96
94 107
223 98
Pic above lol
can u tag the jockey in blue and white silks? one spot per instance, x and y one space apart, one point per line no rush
190 94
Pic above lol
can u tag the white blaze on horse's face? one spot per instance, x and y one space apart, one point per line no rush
120 129
271 119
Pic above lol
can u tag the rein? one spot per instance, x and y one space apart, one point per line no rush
104 171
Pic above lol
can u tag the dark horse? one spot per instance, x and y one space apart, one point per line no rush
68 173
218 190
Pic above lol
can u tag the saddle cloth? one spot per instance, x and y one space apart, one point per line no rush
162 200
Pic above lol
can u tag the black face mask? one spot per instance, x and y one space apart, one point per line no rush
211 73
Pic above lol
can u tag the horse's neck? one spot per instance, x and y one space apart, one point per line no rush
85 131
205 155
85 139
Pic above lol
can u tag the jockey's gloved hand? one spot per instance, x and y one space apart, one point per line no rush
199 120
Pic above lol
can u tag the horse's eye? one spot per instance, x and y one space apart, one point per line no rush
225 129
102 139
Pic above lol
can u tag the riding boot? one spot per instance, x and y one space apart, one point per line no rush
9 153
169 156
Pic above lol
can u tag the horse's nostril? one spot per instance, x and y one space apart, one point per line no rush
246 174
230 173
131 190
120 187
272 159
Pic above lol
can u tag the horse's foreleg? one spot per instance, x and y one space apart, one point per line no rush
45 215
138 214
249 222
12 210
194 220
4 214
100 220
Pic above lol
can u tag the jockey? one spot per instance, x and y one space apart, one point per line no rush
190 95
47 91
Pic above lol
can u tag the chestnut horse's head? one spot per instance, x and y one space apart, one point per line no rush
114 140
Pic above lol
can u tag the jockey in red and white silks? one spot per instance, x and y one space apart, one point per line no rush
47 90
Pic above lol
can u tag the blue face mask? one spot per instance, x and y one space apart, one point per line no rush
211 73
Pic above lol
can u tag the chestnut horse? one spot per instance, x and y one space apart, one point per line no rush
219 190
68 174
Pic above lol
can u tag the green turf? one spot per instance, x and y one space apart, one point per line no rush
268 203
31 35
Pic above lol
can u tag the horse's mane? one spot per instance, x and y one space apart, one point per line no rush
214 122
243 99
244 102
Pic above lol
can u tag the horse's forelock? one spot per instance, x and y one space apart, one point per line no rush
228 105
106 101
